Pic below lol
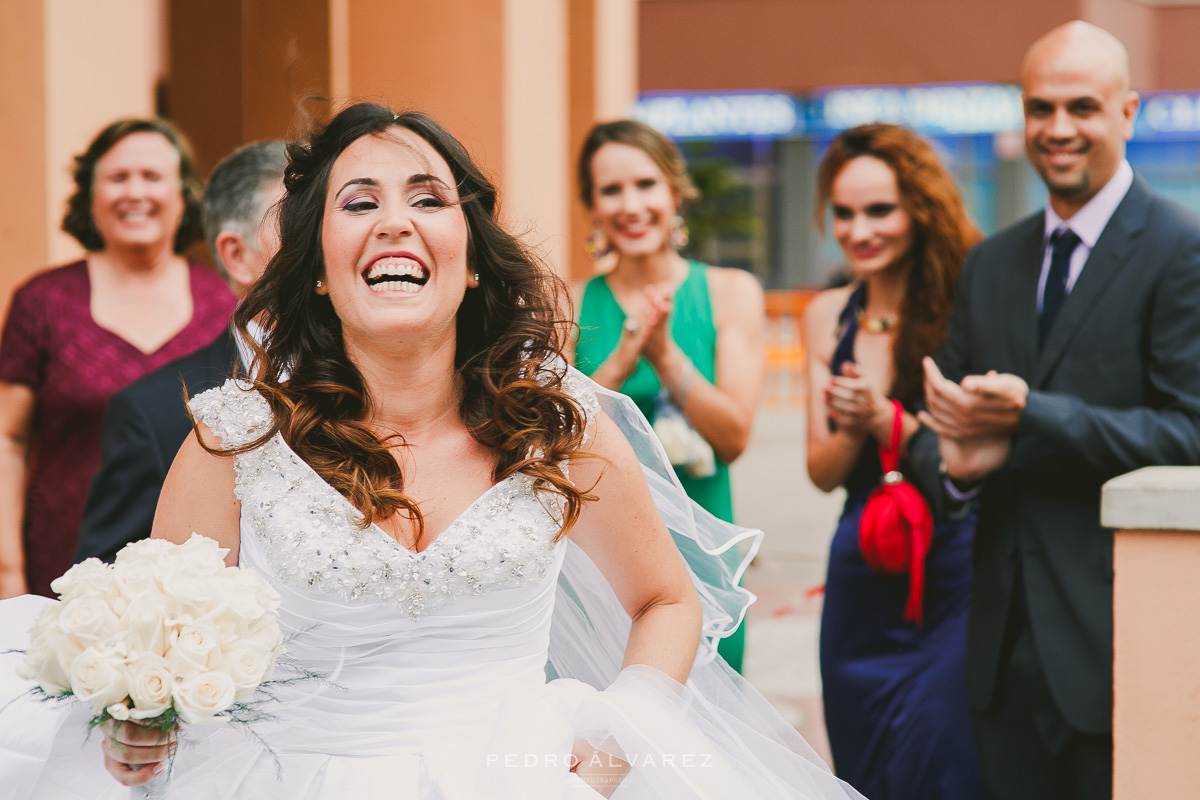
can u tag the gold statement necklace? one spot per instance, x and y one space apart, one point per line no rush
875 324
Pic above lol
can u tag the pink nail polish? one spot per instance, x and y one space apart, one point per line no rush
158 769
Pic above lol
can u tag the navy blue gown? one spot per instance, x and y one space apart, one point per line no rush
895 695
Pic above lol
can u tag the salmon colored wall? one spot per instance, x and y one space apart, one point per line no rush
71 67
101 64
24 224
445 58
602 56
535 183
1135 24
797 46
1178 48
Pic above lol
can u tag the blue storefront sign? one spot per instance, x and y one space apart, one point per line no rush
734 115
961 109
952 110
1168 116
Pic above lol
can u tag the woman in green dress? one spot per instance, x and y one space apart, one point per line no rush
683 339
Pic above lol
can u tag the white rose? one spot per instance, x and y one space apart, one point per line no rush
92 577
135 578
98 678
151 681
187 591
149 550
194 648
266 632
247 663
89 619
199 698
56 651
203 555
118 711
252 596
145 624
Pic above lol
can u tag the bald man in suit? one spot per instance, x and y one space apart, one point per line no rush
1073 356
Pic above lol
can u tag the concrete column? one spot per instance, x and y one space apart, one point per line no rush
798 243
1156 631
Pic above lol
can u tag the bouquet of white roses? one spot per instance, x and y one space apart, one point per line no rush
166 633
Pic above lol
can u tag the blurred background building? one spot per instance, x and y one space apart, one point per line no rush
752 89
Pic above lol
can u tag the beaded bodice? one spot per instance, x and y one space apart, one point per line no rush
312 538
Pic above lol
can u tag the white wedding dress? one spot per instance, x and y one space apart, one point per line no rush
464 672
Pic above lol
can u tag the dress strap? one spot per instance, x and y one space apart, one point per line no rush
234 411
847 330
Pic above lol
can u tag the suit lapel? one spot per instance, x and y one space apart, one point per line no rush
1027 268
1112 252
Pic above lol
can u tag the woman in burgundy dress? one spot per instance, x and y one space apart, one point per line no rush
76 334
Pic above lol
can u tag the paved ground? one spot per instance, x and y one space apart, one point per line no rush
772 492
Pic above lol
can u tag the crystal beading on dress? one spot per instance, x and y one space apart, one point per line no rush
312 535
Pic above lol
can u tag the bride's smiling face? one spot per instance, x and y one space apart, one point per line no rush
394 241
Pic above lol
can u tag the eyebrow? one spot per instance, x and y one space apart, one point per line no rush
419 178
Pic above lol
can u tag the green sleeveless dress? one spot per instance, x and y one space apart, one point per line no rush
692 329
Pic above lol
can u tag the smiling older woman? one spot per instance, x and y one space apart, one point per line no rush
78 333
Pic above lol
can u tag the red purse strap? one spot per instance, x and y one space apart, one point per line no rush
889 455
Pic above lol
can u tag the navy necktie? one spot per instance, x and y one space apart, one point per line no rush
1062 244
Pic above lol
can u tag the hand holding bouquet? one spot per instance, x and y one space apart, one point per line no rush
168 633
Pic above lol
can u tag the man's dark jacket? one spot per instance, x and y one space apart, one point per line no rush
1116 388
144 426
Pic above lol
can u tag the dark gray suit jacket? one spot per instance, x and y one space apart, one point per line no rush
1116 388
144 426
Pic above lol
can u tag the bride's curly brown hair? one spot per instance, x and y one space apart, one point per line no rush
509 337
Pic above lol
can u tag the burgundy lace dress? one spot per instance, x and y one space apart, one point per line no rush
52 344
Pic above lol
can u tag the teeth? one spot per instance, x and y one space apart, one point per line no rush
401 268
396 286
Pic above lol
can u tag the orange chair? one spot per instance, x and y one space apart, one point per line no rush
785 384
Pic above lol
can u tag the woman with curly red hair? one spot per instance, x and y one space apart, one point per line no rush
893 681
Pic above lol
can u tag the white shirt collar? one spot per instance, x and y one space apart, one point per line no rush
1089 222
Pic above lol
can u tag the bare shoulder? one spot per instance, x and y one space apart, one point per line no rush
735 293
820 320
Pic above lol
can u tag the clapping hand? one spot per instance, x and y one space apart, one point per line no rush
982 405
857 406
657 324
974 420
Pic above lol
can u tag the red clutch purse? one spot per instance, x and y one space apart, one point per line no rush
896 528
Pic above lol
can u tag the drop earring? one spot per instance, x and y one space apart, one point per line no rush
597 246
679 233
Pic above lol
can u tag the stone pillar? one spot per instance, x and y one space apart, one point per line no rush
1156 631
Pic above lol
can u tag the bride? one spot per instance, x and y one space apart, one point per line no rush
451 517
